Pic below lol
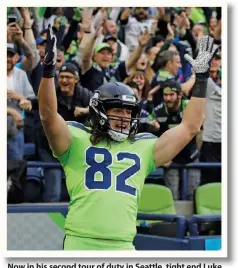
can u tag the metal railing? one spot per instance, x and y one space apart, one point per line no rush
183 168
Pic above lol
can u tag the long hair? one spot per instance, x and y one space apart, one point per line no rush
146 88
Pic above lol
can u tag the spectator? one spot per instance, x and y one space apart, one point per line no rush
198 31
211 146
169 114
169 64
37 71
143 86
96 66
135 21
143 64
60 60
15 35
215 71
15 138
119 53
72 98
213 23
19 93
111 29
28 26
41 43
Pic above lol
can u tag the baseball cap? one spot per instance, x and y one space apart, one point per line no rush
171 85
109 37
40 40
101 47
11 47
69 67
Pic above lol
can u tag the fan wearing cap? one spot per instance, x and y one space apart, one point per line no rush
96 64
19 93
73 99
112 42
18 85
109 35
96 72
169 114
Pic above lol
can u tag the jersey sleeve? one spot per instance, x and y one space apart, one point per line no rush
147 140
151 161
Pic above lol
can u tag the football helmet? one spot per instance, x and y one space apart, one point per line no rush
114 95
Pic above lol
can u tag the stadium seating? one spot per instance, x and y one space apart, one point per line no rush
156 199
208 199
156 177
208 210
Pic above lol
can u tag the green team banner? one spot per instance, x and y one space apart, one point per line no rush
35 231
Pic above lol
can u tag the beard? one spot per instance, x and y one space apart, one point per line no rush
10 67
173 106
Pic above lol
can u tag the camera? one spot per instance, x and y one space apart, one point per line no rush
11 19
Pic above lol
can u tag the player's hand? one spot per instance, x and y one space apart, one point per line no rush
201 65
50 54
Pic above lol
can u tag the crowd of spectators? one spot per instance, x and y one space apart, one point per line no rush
143 47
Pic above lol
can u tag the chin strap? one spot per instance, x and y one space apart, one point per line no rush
117 136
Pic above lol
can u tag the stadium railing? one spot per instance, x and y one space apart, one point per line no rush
157 173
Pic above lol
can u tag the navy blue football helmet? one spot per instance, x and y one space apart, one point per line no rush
114 95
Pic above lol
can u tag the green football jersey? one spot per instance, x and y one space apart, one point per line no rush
105 184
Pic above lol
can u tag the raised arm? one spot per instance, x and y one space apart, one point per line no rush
175 139
88 41
143 40
17 35
29 38
54 125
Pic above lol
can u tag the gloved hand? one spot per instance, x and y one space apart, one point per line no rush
201 65
50 55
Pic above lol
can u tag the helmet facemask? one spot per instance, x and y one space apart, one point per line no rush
125 126
104 122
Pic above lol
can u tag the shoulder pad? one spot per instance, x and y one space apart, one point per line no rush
144 136
78 125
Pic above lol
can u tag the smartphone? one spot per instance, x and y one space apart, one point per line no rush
11 19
